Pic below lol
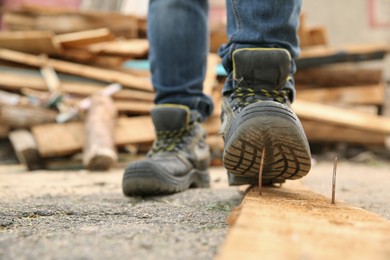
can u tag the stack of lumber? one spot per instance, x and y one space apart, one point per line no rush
65 96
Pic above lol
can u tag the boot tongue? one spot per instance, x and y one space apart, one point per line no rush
170 117
262 68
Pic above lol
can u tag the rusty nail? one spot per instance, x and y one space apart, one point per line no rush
261 171
334 181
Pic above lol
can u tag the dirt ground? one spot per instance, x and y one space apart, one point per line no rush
83 215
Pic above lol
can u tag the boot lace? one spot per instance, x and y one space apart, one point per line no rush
174 140
248 95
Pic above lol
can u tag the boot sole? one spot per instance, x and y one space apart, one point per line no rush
270 125
145 183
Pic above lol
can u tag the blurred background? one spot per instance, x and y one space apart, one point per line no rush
57 56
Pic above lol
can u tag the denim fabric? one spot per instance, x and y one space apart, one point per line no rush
178 35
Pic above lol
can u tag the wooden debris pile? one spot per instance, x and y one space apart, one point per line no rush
66 99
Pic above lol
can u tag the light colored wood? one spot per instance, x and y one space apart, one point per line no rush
80 70
294 223
83 38
7 98
99 149
26 149
318 35
66 139
62 21
324 132
17 82
317 52
342 117
211 74
25 116
35 42
129 48
363 95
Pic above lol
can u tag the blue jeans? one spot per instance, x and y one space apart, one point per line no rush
178 35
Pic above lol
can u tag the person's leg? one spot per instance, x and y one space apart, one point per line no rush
178 36
261 23
256 111
179 158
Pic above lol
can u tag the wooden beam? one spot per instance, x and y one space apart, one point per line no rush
83 38
294 223
338 75
363 95
342 117
35 42
106 75
66 139
319 56
328 133
26 149
129 48
18 81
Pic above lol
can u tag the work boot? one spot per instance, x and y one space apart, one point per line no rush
179 158
257 115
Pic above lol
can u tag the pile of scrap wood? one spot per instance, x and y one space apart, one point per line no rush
65 96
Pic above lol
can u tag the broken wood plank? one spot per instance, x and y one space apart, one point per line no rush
26 150
35 42
25 116
363 95
80 70
129 48
65 139
99 149
342 117
294 223
18 81
83 38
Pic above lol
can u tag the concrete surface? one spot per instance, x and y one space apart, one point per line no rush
79 215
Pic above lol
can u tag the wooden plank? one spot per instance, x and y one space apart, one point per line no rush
130 48
319 56
342 117
60 21
327 133
26 149
66 139
99 153
16 82
363 95
338 75
80 70
294 223
83 38
35 42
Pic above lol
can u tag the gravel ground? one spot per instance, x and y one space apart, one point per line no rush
80 215
77 215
